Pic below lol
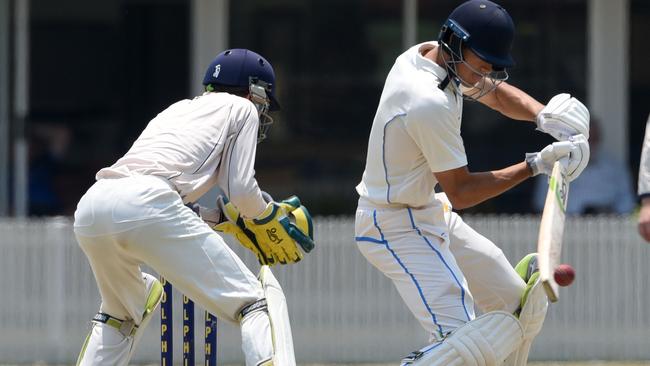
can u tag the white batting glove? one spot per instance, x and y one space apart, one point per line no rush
542 162
579 157
564 116
576 149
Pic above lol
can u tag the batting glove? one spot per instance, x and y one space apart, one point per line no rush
579 157
564 116
576 150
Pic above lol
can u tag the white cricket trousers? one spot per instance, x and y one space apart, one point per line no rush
440 269
122 223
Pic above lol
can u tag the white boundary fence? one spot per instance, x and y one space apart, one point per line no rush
341 309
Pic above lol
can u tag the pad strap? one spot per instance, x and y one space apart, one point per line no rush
486 341
126 327
412 357
259 305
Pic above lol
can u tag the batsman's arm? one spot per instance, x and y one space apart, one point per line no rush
512 102
644 219
562 117
465 189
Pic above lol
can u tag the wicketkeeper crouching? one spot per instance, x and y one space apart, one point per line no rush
139 212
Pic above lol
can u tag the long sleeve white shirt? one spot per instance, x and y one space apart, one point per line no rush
196 144
415 133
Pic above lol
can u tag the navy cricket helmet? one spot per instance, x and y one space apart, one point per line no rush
238 67
484 27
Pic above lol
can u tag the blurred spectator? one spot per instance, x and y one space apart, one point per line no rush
644 186
605 186
47 147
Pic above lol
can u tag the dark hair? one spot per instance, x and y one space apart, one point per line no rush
235 90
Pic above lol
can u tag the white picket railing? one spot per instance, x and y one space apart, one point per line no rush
342 310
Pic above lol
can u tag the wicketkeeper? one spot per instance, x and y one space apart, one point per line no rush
140 211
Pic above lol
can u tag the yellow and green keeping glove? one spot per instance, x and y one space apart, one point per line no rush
232 223
278 236
275 235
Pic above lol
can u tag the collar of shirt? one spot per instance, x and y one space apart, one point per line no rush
424 63
421 62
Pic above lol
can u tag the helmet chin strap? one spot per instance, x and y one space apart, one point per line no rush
443 84
451 69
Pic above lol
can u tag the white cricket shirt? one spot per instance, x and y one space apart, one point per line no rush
416 131
197 144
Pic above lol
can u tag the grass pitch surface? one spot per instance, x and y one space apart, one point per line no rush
554 363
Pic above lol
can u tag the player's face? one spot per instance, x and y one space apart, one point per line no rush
475 68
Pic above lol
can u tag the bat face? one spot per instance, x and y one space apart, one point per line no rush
560 186
551 231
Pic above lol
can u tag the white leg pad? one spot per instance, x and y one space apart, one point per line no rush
532 319
520 356
279 315
257 340
534 311
154 292
484 341
108 345
105 345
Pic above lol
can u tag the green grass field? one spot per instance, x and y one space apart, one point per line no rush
587 363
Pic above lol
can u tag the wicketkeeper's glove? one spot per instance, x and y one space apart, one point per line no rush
276 234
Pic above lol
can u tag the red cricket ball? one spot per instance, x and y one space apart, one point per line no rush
564 275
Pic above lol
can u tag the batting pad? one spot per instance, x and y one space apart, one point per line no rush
533 312
279 315
484 341
531 318
520 356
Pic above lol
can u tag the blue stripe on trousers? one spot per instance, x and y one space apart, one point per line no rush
417 284
462 290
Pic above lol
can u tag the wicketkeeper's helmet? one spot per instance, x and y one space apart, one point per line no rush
484 27
240 67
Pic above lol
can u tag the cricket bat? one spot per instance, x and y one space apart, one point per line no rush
551 231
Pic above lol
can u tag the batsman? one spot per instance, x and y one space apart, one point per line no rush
440 266
141 211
